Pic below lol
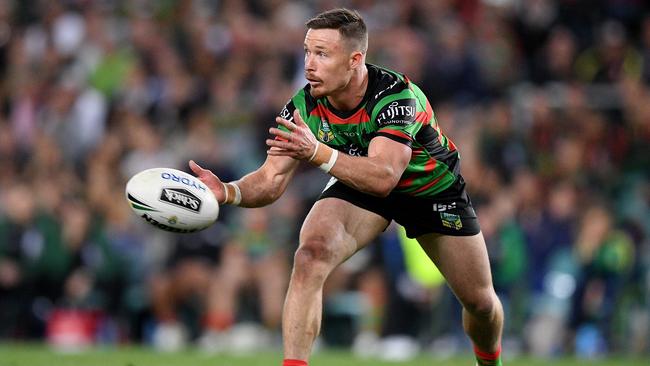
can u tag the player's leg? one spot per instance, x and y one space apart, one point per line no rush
463 260
332 232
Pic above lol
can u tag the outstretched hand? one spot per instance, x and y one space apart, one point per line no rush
210 180
299 143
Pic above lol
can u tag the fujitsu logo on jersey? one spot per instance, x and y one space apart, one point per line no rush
398 112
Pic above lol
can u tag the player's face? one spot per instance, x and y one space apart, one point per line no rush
327 62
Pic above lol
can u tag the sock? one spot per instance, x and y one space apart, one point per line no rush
488 359
288 362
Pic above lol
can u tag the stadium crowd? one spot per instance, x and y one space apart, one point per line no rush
548 101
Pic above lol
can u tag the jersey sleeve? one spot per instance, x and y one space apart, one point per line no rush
287 113
296 102
396 118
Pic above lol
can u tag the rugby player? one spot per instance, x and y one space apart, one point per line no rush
374 132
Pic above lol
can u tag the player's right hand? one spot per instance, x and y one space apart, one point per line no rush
210 180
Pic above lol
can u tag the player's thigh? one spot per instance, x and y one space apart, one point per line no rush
340 228
463 260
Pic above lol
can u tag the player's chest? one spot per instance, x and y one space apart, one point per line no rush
350 134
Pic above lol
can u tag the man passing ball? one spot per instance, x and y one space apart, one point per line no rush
375 133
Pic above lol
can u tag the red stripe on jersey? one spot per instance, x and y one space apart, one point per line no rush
452 146
395 133
430 165
416 151
429 110
426 116
429 185
360 116
422 117
406 182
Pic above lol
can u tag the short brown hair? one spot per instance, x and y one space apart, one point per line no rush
348 22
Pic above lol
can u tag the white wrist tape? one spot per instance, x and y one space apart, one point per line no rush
326 167
225 190
315 151
237 200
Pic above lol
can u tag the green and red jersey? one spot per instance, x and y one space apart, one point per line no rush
392 107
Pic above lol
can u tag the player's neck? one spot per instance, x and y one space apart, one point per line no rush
350 97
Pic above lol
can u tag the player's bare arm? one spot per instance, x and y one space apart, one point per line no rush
376 174
256 189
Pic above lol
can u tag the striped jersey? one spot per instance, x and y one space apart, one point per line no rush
392 107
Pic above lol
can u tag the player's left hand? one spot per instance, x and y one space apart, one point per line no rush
299 144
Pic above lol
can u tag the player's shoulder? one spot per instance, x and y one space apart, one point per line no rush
386 82
388 86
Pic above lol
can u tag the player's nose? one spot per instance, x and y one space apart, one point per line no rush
310 65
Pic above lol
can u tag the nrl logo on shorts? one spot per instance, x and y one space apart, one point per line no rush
325 133
451 221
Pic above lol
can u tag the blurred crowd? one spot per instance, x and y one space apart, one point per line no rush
548 101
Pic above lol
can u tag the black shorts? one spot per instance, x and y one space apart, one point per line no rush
449 212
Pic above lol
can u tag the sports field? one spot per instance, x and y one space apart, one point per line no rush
39 355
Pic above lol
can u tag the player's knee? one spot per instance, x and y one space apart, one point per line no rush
314 255
483 304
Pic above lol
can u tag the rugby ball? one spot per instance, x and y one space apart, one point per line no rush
172 200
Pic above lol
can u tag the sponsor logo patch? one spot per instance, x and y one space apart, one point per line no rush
451 221
442 207
400 112
285 113
182 198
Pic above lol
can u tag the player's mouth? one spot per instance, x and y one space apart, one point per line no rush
314 82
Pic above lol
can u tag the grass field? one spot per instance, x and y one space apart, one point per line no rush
39 355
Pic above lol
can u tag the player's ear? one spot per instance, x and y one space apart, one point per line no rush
356 59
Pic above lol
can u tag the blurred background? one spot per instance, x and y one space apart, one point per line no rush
548 101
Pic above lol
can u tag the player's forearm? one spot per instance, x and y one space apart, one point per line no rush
265 185
259 189
370 175
365 174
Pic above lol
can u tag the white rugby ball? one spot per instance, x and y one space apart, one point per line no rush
172 200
